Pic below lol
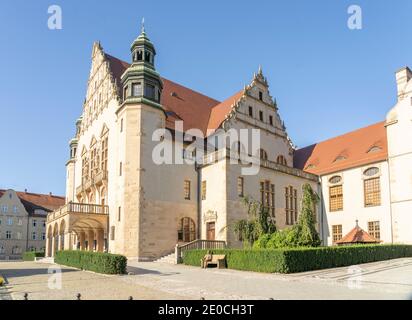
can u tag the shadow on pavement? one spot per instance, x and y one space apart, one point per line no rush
141 271
16 273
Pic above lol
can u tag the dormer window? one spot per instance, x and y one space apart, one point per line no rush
260 95
340 158
374 149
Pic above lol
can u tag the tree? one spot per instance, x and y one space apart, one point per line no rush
307 234
259 222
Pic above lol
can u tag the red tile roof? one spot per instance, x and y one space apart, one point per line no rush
38 201
220 111
179 102
346 151
357 235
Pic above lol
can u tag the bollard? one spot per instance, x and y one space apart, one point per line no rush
26 296
130 298
78 296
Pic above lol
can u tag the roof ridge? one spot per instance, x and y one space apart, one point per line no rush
342 135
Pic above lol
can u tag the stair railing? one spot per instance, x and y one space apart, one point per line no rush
197 245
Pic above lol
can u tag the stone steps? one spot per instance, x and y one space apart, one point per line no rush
171 259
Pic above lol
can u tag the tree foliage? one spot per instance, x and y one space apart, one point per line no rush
258 222
302 234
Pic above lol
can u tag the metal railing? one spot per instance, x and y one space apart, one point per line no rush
198 245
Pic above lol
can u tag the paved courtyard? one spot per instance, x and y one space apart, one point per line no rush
382 280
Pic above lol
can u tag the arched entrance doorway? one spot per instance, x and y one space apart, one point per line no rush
187 230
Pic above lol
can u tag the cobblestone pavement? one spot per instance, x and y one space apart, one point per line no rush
382 280
34 278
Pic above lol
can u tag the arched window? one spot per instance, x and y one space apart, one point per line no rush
281 160
371 172
263 154
187 230
335 179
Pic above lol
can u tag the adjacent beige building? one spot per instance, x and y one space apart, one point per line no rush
23 222
124 196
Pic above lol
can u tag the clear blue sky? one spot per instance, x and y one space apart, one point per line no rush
327 79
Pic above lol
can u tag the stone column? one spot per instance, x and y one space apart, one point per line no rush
48 245
100 240
82 237
90 239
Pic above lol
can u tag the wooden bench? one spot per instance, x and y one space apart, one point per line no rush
217 260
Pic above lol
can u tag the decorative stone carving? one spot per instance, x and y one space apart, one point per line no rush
210 216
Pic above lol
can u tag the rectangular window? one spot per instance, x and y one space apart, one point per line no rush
112 232
8 235
137 89
374 229
335 198
261 115
19 235
267 196
240 186
5 208
271 120
149 91
203 190
105 151
336 233
187 189
119 214
9 221
250 112
372 192
260 95
15 209
291 201
34 236
34 223
43 236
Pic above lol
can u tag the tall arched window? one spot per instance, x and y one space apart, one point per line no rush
187 230
281 160
263 154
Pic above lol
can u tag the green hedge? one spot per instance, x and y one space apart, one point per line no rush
302 259
31 255
94 261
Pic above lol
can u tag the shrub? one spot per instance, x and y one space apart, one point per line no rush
94 261
301 259
1 281
31 255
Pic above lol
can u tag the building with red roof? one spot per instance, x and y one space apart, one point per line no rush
154 164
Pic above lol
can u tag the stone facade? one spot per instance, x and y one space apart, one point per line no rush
120 200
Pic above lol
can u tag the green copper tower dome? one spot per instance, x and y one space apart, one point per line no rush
141 82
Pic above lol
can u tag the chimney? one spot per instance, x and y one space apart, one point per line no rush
402 78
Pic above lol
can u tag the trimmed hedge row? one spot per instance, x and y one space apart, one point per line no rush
31 255
302 259
94 261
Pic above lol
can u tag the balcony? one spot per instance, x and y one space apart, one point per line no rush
98 179
78 209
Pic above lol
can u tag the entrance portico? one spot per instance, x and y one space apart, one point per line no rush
77 226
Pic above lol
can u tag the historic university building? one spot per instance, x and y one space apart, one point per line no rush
121 199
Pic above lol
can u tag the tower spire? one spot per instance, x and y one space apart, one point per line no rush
143 29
